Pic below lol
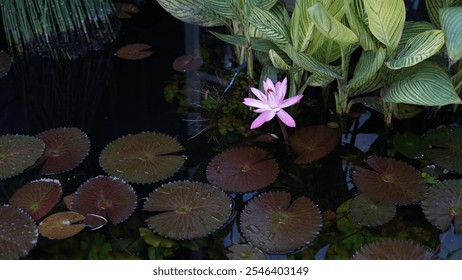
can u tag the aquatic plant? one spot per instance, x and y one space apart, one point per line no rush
394 250
61 225
134 52
245 252
444 147
371 213
186 63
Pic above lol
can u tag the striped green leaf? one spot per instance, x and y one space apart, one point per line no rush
434 7
262 4
358 26
270 25
193 12
457 80
221 7
301 27
278 61
386 20
368 66
330 27
412 29
321 80
329 52
418 48
259 44
451 23
425 84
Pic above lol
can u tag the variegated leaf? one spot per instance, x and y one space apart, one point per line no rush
451 23
271 26
367 67
193 12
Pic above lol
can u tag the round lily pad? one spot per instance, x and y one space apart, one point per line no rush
61 225
276 225
103 195
313 142
5 63
390 181
410 145
242 170
371 213
38 197
245 252
187 63
18 152
394 250
443 205
446 147
65 149
147 157
187 210
18 233
134 52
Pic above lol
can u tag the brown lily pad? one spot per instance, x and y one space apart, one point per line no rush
38 197
18 233
313 142
394 250
147 157
446 147
187 63
245 252
101 196
134 52
390 181
187 210
61 225
276 225
242 170
371 213
443 205
65 149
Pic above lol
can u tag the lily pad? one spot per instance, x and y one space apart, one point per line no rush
103 195
410 145
5 63
446 147
394 250
187 63
147 157
390 181
187 210
313 142
275 224
18 233
242 170
443 205
134 52
38 197
18 152
65 149
371 213
245 252
61 225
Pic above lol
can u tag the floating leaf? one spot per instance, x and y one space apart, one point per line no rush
5 63
390 181
443 205
394 250
275 224
37 198
146 157
103 195
245 252
68 200
187 63
125 10
18 233
313 142
409 144
61 225
134 51
65 149
446 147
371 213
187 210
242 170
18 152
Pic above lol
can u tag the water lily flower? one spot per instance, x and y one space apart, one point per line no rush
271 103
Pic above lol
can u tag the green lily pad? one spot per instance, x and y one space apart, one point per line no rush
245 252
371 213
410 145
445 147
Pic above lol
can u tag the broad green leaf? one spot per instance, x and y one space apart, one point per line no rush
221 7
445 147
412 29
330 27
457 80
309 63
279 10
262 4
271 26
451 23
411 145
278 61
329 52
259 44
407 111
358 26
434 7
418 48
301 26
386 20
424 84
193 12
372 102
368 65
320 80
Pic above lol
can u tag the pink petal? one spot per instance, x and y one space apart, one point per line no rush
261 119
290 101
286 118
281 89
260 95
261 110
268 86
256 103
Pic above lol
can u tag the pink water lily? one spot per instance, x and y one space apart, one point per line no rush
271 103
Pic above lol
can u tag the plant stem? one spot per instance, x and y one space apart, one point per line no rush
285 135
